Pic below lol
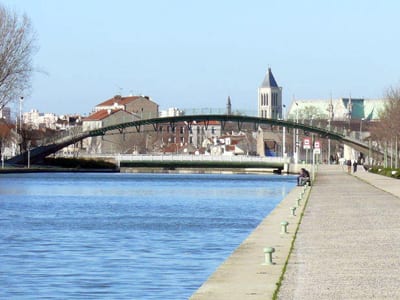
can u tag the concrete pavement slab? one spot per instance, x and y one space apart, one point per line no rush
347 246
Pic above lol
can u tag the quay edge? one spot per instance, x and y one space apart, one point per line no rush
244 274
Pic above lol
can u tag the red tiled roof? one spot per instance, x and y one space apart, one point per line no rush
209 123
171 148
100 115
119 100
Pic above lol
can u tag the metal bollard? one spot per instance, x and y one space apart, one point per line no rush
268 255
298 202
293 210
284 225
301 195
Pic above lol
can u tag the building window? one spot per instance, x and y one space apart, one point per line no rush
212 130
181 130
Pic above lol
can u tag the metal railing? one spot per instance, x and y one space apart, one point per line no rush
189 157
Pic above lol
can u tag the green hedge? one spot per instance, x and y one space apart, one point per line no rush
389 172
77 163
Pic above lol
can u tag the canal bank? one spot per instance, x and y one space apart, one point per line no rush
347 246
249 273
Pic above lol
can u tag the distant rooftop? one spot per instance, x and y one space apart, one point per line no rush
342 108
119 100
100 115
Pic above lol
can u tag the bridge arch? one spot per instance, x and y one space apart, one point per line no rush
39 153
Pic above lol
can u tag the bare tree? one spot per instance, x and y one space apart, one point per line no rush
309 112
389 123
386 132
17 46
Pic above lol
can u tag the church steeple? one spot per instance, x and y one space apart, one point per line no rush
229 106
269 98
269 80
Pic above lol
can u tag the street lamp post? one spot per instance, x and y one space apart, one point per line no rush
329 143
312 136
21 99
284 133
296 158
29 154
361 121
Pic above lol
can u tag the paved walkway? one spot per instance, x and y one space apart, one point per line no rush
348 244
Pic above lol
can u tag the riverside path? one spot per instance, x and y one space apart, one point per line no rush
347 246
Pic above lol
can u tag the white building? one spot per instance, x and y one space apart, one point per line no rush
341 109
36 120
171 112
201 131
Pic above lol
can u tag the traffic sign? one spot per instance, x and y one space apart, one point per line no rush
307 143
317 147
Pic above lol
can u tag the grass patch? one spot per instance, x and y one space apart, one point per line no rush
279 283
389 172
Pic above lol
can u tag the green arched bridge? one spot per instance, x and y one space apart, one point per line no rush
38 153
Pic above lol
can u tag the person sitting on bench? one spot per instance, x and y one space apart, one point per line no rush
304 177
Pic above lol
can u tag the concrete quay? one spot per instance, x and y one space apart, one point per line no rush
346 247
348 244
245 274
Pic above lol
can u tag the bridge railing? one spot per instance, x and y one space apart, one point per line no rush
188 157
63 135
219 111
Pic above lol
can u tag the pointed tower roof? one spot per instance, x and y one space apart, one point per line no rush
269 80
229 106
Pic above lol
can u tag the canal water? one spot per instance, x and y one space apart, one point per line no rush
124 236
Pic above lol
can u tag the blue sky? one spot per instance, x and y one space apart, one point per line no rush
192 54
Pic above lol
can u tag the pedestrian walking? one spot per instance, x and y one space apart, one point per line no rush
355 163
348 163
